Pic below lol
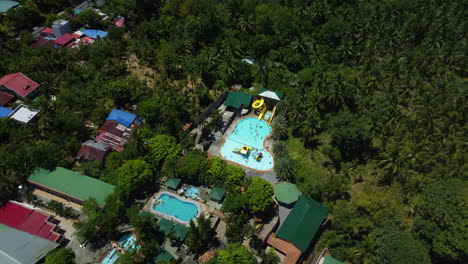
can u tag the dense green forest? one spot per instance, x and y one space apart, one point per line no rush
373 124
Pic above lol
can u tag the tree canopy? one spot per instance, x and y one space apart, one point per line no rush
60 256
259 195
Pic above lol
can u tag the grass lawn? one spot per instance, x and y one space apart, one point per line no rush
309 171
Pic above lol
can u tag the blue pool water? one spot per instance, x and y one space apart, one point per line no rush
251 132
192 192
172 206
127 241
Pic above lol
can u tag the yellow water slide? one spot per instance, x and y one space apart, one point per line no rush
272 115
260 104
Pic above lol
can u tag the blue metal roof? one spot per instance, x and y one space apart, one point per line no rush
4 112
93 33
124 118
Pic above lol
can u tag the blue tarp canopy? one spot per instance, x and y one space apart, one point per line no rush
4 112
93 33
124 118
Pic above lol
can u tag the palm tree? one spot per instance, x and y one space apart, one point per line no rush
280 148
284 167
279 127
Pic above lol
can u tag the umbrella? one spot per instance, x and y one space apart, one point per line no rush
286 192
270 94
207 256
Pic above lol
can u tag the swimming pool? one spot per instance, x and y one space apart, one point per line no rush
192 192
250 132
127 241
175 207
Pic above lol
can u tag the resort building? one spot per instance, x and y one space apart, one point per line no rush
30 221
296 232
18 247
69 187
20 85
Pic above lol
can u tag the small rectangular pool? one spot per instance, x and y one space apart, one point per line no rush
176 208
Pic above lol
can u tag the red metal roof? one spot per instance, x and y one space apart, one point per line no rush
19 83
42 42
5 98
115 134
27 220
48 30
113 127
90 152
64 39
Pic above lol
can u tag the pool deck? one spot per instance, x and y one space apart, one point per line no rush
267 145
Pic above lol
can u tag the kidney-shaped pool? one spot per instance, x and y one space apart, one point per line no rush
250 132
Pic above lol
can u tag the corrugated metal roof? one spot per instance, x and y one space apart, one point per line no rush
173 183
5 98
19 83
303 222
64 39
217 194
237 99
92 150
73 184
17 247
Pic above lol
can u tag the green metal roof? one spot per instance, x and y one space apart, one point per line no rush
330 260
173 183
6 5
73 184
165 225
217 194
163 256
286 192
236 99
303 222
181 231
